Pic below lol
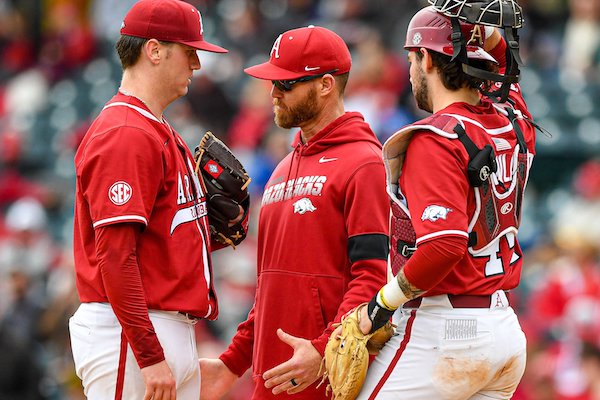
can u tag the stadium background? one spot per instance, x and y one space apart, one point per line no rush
58 67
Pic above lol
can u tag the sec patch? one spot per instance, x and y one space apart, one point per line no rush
213 168
120 192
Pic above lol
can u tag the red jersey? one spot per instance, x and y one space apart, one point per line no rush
322 247
427 179
134 168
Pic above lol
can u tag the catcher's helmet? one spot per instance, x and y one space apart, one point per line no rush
431 30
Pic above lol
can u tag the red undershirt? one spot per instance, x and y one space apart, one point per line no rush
116 252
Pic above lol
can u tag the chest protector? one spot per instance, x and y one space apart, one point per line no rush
498 208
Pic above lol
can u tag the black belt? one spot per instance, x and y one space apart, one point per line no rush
460 301
190 316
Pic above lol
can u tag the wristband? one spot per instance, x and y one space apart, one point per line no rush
391 295
378 314
381 301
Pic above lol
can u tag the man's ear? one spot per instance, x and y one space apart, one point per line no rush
327 84
151 50
426 62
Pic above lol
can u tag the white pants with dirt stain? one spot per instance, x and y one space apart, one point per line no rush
446 353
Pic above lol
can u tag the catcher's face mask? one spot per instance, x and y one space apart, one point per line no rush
498 13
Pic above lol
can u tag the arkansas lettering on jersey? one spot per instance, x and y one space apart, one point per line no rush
197 209
301 186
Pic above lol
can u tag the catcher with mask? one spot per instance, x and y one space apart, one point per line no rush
456 182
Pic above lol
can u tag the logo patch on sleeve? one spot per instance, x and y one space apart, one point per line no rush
120 192
213 168
435 212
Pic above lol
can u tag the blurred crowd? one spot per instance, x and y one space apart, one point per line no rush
58 67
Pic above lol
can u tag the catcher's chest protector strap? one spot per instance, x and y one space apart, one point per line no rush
403 238
402 232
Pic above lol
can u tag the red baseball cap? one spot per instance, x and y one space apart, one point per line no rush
312 50
169 21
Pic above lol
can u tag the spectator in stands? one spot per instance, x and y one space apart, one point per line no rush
20 376
581 41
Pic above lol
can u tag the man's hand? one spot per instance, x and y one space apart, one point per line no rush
216 379
303 367
365 324
160 383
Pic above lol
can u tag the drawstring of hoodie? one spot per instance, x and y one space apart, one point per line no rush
289 173
298 150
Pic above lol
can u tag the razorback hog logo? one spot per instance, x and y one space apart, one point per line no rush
434 212
304 205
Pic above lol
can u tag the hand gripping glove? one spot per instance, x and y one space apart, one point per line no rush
347 355
226 185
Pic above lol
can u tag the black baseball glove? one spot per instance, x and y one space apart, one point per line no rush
226 186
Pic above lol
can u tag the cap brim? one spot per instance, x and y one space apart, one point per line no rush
204 45
271 72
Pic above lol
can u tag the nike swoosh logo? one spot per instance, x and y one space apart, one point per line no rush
324 160
307 68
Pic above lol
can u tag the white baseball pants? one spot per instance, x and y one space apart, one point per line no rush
446 353
106 365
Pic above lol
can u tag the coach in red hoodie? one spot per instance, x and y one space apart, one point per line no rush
323 224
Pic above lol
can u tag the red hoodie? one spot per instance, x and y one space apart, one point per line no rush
322 247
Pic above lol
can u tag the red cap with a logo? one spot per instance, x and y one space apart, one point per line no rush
168 21
303 52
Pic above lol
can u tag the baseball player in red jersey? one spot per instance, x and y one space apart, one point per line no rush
141 238
454 250
323 225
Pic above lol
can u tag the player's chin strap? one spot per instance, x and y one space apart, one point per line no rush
513 60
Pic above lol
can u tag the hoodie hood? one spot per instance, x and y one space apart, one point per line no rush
350 127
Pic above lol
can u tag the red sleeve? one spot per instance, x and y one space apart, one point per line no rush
127 158
117 259
433 260
367 219
434 178
499 54
238 356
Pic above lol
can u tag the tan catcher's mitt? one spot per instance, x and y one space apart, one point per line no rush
226 185
347 355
